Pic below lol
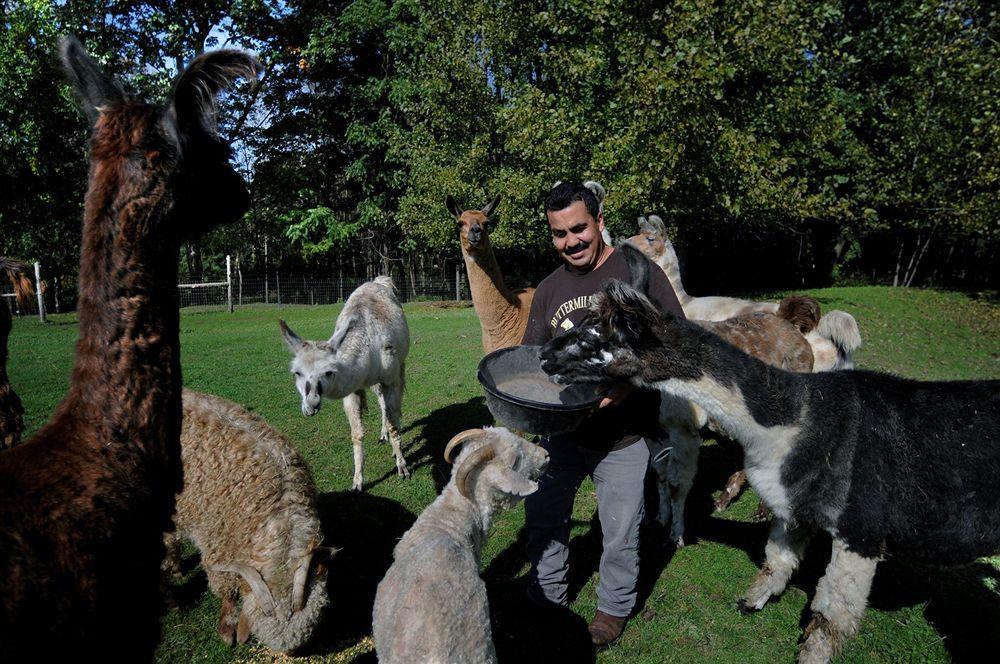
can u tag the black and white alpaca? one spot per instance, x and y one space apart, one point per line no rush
885 465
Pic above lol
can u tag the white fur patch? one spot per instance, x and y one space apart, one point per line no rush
765 448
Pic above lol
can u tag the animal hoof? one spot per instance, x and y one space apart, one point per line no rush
356 487
404 472
383 440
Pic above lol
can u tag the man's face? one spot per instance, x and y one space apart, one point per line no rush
577 236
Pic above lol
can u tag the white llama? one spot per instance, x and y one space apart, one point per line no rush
368 349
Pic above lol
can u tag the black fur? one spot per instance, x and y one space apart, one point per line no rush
892 466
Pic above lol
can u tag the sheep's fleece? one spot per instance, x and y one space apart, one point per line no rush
249 500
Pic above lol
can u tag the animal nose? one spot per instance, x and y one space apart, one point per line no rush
475 234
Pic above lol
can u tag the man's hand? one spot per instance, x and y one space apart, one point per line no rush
616 395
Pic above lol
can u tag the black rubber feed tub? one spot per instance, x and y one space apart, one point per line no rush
521 396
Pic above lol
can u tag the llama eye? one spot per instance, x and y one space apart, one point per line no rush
328 374
298 374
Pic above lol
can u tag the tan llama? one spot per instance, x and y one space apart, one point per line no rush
503 313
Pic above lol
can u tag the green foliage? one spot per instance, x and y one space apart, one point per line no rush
839 139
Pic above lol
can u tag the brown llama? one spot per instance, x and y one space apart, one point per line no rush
85 502
503 313
11 410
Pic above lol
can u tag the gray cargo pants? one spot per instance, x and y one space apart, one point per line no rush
618 476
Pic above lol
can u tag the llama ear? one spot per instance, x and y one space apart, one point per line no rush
658 226
94 88
194 94
646 226
292 340
488 210
638 267
453 207
599 192
340 331
627 311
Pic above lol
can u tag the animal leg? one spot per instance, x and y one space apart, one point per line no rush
784 549
839 604
171 565
734 486
380 393
676 475
392 406
354 406
227 619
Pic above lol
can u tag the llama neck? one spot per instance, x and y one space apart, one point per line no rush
496 306
755 403
127 371
671 267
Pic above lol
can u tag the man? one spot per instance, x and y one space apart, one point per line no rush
609 445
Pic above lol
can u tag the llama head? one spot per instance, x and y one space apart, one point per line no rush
495 468
315 366
473 225
171 155
623 338
652 238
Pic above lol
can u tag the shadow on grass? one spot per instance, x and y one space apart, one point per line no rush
434 430
522 631
959 602
366 528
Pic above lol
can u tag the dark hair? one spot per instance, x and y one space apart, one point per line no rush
565 194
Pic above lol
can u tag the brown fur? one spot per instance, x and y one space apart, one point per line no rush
503 313
770 338
85 502
11 410
801 311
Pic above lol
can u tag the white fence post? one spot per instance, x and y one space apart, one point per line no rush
229 283
457 294
277 285
38 291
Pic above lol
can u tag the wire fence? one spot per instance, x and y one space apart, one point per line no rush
236 289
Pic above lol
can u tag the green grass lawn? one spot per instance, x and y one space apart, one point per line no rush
687 598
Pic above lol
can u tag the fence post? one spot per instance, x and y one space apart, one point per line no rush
229 283
38 291
457 294
277 285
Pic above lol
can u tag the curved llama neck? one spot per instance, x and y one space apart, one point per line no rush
671 266
500 314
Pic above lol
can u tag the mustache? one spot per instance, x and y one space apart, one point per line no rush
575 248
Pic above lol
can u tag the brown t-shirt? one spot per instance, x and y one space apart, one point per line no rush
561 302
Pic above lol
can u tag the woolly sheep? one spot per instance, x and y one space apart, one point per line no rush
249 505
432 606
